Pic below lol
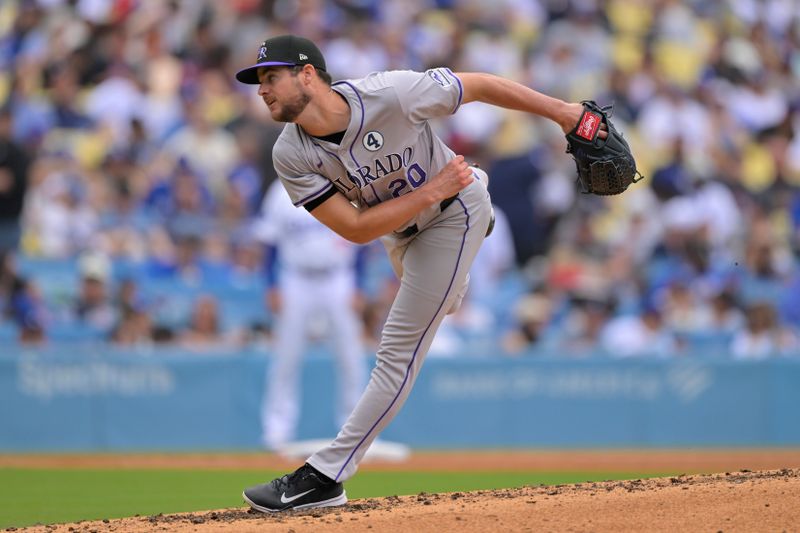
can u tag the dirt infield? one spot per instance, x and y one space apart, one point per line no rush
733 501
687 461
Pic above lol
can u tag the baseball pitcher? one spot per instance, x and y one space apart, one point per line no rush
361 157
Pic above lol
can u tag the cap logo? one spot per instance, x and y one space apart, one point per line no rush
303 57
262 52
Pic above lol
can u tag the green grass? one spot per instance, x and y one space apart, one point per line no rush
32 496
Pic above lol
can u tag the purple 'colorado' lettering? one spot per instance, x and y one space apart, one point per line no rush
380 170
365 174
354 180
343 184
382 167
395 162
407 153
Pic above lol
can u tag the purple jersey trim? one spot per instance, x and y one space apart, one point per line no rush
361 126
460 89
311 196
414 356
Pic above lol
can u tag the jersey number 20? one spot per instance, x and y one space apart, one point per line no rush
415 176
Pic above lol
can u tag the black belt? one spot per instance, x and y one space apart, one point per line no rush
446 202
413 229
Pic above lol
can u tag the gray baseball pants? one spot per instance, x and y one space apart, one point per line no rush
433 267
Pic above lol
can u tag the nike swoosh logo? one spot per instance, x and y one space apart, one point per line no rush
284 499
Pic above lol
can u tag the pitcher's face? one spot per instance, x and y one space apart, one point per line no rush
282 92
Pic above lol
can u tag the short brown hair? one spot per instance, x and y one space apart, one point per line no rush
323 75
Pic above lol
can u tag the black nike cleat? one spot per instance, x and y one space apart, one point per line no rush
304 488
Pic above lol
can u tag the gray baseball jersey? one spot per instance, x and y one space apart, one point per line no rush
388 150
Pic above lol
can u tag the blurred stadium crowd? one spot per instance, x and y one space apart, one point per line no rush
132 168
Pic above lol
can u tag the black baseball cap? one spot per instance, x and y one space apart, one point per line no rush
284 50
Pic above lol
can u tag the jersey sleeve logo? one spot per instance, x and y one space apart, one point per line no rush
440 77
372 141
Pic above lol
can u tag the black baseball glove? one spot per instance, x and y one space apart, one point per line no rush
605 166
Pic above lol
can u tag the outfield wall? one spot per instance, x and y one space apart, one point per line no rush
60 400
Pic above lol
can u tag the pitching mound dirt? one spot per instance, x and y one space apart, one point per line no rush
733 501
